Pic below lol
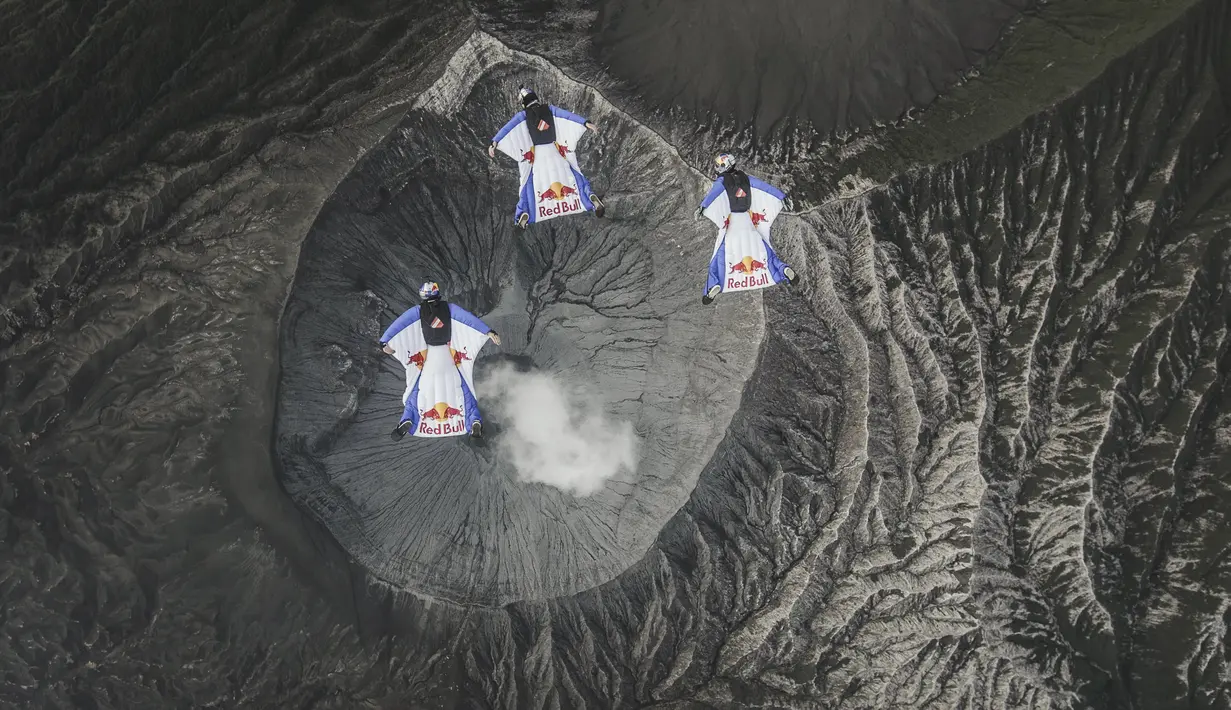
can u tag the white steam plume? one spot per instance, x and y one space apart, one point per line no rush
557 435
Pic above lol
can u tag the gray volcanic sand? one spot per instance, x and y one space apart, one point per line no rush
609 305
836 64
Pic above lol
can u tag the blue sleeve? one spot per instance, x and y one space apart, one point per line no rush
766 187
403 321
517 118
714 192
561 113
461 315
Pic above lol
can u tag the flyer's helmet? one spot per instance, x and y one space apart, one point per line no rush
429 291
724 162
528 97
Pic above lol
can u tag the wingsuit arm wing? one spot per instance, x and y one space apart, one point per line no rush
716 206
470 334
514 139
404 336
767 188
767 200
468 319
403 322
569 127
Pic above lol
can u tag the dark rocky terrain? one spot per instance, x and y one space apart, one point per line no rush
977 460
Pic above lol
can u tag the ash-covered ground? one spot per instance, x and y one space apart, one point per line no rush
977 460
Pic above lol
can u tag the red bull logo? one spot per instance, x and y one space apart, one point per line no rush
557 191
753 274
417 359
757 218
529 155
747 265
563 150
441 420
564 199
458 356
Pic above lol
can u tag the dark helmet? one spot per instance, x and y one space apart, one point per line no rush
528 97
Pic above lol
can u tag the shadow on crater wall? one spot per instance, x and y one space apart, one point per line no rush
835 65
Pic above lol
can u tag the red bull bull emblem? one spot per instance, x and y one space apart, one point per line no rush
753 274
417 359
529 155
757 217
458 356
726 222
564 198
563 150
441 420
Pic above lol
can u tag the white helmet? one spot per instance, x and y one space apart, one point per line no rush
724 162
429 291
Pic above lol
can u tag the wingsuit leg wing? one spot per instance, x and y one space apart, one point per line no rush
584 190
472 415
525 200
777 267
410 411
525 195
718 264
